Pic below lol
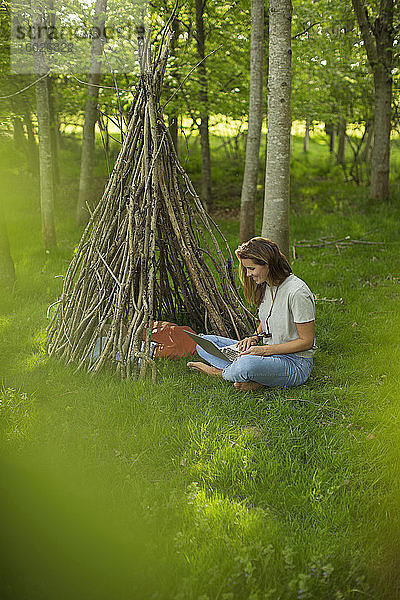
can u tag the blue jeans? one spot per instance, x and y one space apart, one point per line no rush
278 370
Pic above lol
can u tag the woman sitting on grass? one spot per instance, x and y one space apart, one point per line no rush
286 311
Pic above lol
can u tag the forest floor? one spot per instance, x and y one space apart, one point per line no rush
188 489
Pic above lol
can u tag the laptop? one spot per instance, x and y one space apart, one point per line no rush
228 353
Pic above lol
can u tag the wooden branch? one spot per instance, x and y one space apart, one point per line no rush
346 241
324 299
188 75
361 12
305 30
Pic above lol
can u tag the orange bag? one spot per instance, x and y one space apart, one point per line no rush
172 340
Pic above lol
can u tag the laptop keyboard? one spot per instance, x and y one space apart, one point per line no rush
230 352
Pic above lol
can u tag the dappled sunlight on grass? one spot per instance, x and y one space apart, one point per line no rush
256 555
39 355
35 359
17 413
4 323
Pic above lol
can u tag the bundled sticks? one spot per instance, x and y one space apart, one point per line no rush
150 251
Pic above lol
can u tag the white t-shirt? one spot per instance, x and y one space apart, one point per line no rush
294 303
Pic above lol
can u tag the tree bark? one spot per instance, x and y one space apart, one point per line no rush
44 134
18 133
54 132
204 118
332 140
21 109
250 178
7 269
341 152
33 157
378 40
88 136
277 177
45 165
369 142
382 128
306 140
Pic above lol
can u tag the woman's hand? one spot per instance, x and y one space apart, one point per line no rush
247 343
257 351
304 342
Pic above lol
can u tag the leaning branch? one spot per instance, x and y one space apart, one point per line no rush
341 242
346 241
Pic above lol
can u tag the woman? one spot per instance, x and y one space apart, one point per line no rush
286 311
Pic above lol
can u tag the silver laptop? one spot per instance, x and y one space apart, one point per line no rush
228 353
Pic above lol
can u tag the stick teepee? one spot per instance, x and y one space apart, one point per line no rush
150 251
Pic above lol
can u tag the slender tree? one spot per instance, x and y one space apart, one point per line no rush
277 177
378 40
249 187
369 142
18 129
330 131
306 140
54 131
88 137
45 165
204 116
341 152
51 80
21 108
33 156
44 133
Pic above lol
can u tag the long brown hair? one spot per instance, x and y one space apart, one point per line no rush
262 251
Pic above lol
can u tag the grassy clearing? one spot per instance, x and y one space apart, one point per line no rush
187 489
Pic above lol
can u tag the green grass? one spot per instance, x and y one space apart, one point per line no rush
187 489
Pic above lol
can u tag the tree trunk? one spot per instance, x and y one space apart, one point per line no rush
45 165
382 128
369 142
54 132
378 41
330 132
250 178
18 133
7 270
44 134
341 152
32 146
277 177
332 140
306 140
21 109
204 119
88 137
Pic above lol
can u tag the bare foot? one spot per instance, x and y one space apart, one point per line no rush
203 368
247 386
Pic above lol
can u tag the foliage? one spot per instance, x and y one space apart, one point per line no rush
227 35
331 75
